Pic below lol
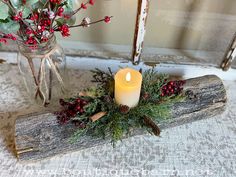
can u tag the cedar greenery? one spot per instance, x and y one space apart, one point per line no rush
116 124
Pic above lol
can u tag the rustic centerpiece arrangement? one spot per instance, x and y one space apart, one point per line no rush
33 24
125 104
121 105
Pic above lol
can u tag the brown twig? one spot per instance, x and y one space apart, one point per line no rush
40 14
51 26
50 84
38 92
88 23
77 10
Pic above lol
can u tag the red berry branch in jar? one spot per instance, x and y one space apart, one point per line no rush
34 22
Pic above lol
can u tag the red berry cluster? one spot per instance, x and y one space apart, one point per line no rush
3 40
17 17
65 31
84 5
34 16
10 36
7 36
55 1
29 31
71 109
45 22
60 11
31 40
172 88
41 26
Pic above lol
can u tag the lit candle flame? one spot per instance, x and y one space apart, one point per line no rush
128 77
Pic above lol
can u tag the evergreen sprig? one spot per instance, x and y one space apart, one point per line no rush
152 83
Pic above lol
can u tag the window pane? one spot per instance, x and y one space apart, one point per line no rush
205 25
119 31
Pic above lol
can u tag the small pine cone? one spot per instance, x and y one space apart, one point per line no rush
146 96
108 99
124 109
141 70
76 122
62 102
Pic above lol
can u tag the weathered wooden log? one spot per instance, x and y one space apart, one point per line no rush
39 136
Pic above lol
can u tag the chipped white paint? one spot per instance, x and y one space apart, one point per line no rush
230 55
234 53
140 30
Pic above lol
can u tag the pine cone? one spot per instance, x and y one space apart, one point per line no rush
108 99
141 70
146 96
149 123
124 109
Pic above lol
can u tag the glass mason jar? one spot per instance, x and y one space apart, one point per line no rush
43 68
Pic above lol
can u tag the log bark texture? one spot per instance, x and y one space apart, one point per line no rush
39 135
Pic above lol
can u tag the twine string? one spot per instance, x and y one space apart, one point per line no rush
46 60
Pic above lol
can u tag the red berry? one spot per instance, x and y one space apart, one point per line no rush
16 18
107 19
20 14
91 2
3 40
78 108
61 9
55 1
36 16
81 111
65 31
84 102
83 6
29 31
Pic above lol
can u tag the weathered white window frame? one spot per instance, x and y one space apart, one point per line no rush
230 55
140 29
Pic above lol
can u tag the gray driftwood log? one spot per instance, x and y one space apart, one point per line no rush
39 135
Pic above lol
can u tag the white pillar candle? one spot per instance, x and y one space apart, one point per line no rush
128 84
